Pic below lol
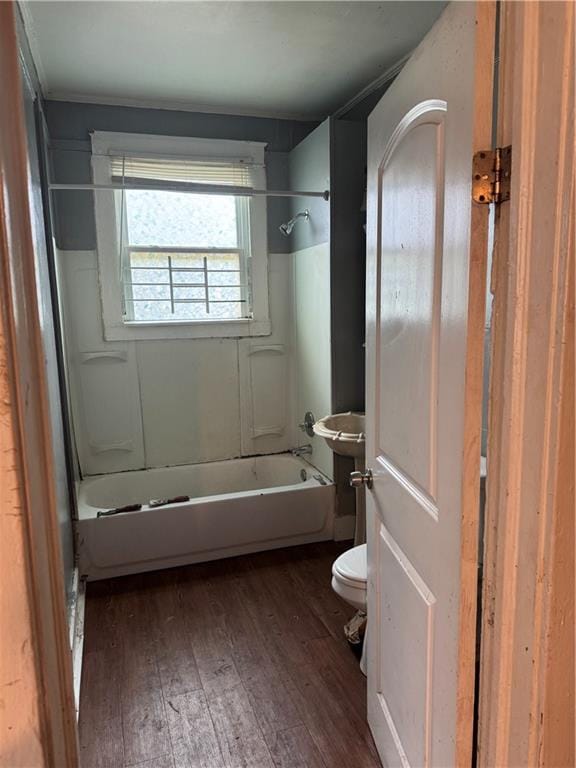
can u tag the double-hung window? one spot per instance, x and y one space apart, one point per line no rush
179 255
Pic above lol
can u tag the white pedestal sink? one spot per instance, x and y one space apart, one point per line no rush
344 433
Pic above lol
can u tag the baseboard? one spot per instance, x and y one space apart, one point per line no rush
344 527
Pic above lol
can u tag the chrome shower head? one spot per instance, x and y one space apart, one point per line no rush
287 228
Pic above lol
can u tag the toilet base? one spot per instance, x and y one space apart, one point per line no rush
354 596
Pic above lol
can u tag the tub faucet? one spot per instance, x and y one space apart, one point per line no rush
304 449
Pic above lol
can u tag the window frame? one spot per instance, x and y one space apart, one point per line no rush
108 220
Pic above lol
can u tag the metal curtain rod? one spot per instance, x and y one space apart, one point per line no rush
209 189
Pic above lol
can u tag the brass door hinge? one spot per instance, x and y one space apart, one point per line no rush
491 175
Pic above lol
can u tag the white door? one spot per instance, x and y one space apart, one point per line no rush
421 339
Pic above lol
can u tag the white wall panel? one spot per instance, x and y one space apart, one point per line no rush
312 343
103 376
190 400
266 371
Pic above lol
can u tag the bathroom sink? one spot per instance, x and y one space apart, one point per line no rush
343 432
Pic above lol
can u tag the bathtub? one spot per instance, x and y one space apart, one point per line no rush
236 507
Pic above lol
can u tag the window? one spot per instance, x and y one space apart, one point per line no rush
176 263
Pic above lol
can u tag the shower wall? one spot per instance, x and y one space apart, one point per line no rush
173 402
162 403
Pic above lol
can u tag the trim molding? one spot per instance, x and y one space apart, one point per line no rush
485 39
529 355
28 415
30 31
386 77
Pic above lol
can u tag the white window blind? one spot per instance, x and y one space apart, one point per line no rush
218 172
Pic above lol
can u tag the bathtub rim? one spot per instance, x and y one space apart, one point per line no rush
87 511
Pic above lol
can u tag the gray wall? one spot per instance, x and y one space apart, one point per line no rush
70 124
62 480
348 262
310 171
347 282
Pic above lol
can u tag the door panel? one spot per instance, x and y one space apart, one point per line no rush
407 635
421 138
410 192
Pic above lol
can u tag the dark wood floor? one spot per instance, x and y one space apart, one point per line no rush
240 662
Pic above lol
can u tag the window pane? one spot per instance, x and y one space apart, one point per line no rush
151 311
176 288
148 260
189 293
180 219
149 276
189 278
224 294
151 292
187 261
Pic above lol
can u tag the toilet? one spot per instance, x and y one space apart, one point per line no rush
349 575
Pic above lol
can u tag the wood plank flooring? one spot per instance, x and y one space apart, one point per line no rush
240 663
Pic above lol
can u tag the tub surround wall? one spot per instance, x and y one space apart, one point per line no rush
160 403
312 345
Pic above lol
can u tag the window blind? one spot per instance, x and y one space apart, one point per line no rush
148 170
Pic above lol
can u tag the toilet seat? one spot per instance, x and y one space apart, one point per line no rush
349 576
351 566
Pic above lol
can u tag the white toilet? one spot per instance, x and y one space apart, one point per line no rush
349 575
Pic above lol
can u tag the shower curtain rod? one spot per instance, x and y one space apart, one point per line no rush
207 189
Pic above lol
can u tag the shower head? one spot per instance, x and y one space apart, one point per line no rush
287 228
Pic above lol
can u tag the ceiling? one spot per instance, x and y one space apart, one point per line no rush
292 59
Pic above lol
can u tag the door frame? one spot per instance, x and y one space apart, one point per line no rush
526 694
485 41
42 717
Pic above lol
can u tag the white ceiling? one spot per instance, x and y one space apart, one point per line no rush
279 58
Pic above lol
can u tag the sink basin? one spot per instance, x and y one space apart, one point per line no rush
343 432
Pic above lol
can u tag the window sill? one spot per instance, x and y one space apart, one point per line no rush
201 329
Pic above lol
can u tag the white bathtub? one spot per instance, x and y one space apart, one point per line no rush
236 507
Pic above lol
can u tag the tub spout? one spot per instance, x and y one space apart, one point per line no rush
302 451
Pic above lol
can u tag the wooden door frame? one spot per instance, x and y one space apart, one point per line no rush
42 719
485 39
530 488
